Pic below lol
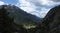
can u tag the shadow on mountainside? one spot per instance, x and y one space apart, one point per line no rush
51 22
15 20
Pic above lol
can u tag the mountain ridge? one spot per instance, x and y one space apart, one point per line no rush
20 16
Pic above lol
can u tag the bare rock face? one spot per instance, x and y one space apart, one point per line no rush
51 22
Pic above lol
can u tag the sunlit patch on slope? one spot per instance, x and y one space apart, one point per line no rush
29 26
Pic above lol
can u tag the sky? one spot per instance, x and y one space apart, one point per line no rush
36 7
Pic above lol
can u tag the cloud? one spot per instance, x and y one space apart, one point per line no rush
31 6
26 6
43 2
43 12
56 0
2 3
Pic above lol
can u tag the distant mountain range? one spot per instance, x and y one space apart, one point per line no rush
20 16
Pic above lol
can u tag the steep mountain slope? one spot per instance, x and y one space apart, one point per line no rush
20 16
51 23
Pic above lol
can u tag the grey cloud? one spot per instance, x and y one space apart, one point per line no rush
39 3
56 0
35 2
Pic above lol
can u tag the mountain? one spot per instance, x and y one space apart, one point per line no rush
20 16
51 22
